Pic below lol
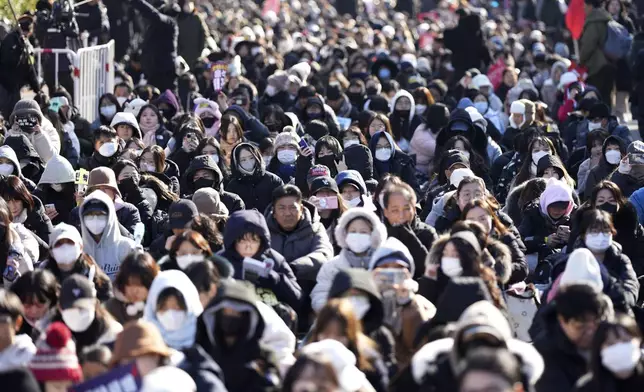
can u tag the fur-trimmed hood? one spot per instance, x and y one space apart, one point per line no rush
496 255
378 235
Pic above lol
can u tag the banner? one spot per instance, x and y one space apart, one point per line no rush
122 379
219 71
575 18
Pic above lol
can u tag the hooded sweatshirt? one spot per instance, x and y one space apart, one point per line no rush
126 118
31 164
399 163
7 152
232 201
184 336
399 124
58 171
556 191
112 247
347 258
18 354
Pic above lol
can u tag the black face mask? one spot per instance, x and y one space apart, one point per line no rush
404 114
357 99
328 161
608 207
234 325
372 91
208 122
203 183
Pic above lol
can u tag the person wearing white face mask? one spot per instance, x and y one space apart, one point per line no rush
387 158
599 116
596 233
617 348
353 189
289 159
107 149
67 258
10 165
187 248
359 233
173 306
80 310
102 239
613 150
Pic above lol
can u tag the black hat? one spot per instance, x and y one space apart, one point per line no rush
316 129
456 156
587 103
325 182
181 213
94 205
599 110
334 92
77 291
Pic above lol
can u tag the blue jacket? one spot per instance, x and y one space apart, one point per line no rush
637 199
254 130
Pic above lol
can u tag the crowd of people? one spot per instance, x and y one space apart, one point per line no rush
328 196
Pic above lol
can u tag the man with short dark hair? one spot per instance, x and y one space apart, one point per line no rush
569 328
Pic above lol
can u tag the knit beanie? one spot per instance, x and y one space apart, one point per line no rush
55 358
278 80
582 268
286 139
24 107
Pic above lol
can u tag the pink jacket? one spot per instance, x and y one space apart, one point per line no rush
423 144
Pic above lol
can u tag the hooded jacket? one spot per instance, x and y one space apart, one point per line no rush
183 337
435 365
305 248
358 157
37 221
237 361
8 153
604 169
474 134
32 166
255 189
591 43
232 201
281 280
127 118
111 248
402 124
347 258
399 163
423 145
254 130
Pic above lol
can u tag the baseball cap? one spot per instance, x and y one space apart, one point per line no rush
181 213
324 182
77 291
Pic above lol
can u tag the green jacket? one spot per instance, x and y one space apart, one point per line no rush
591 44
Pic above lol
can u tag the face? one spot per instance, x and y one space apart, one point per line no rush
35 310
556 212
350 192
246 156
171 303
612 147
550 173
135 291
15 206
149 118
127 172
334 331
359 226
403 104
383 142
148 159
613 7
450 250
399 210
468 193
102 141
202 173
538 146
324 152
605 196
248 245
124 131
187 248
478 214
517 118
314 111
376 126
122 91
580 331
209 150
288 212
480 381
459 145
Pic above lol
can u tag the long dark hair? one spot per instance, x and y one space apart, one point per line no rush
490 209
5 232
12 188
612 188
524 174
477 162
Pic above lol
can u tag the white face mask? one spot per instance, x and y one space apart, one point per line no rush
108 149
361 305
351 142
6 169
358 242
271 90
353 202
383 154
598 241
78 320
286 156
538 155
172 320
451 266
95 223
248 166
56 187
613 157
593 125
621 357
481 107
420 109
66 254
134 308
108 111
146 167
121 100
186 260
215 158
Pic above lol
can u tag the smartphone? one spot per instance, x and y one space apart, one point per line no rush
49 207
636 159
561 230
389 276
303 144
328 203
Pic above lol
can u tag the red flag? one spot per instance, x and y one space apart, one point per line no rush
575 18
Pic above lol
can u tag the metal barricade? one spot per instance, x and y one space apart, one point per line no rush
92 73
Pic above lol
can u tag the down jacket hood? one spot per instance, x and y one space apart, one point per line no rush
203 162
359 279
260 166
58 171
401 94
378 235
246 221
392 248
10 154
483 315
496 256
237 295
127 119
373 142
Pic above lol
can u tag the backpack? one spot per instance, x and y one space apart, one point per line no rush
618 41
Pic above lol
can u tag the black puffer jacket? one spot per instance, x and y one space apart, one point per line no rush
418 237
232 201
535 227
399 163
25 152
38 222
255 189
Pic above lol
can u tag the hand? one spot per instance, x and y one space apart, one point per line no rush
552 241
36 129
564 235
80 197
51 213
169 241
307 152
222 101
315 201
342 165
